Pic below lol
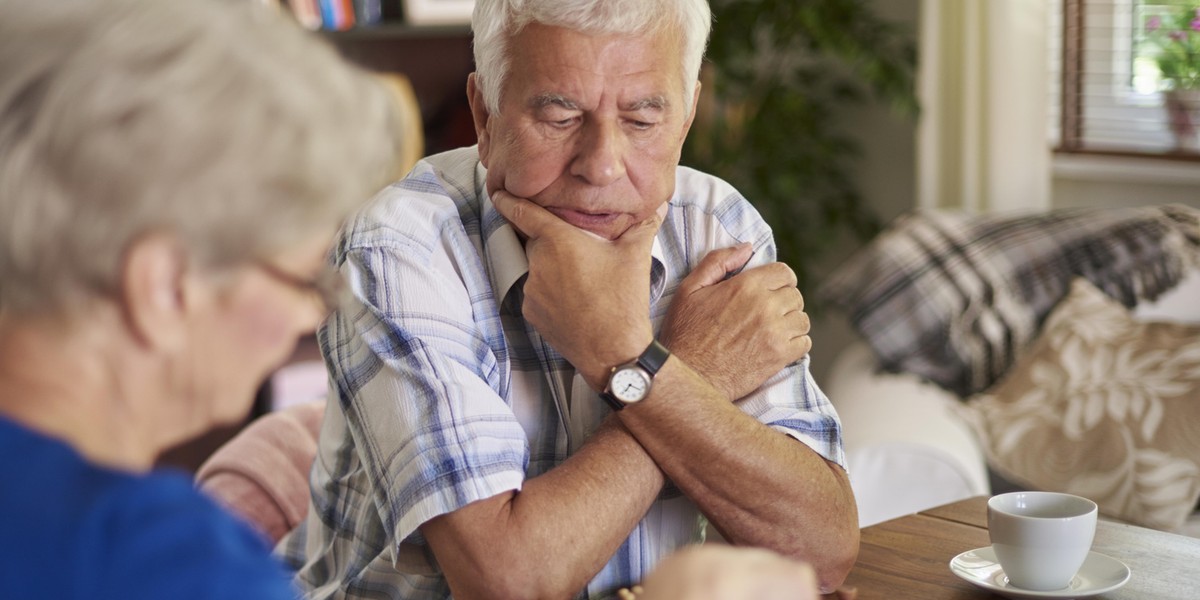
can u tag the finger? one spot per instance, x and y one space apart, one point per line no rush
641 234
797 321
528 218
789 353
791 336
785 300
847 593
774 276
715 265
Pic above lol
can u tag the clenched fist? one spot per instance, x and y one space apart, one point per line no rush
738 331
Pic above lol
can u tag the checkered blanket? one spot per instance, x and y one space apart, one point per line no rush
956 298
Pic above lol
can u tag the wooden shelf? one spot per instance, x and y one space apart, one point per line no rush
397 31
435 58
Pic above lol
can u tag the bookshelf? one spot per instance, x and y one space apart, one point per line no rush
435 58
400 30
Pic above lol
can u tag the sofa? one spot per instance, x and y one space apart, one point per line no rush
951 394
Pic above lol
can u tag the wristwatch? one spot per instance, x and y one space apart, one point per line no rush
630 383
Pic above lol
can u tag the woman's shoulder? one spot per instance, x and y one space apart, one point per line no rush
159 531
86 531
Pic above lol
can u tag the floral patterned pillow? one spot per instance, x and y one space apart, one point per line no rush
1101 406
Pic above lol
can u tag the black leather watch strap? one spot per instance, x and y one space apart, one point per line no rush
612 401
654 357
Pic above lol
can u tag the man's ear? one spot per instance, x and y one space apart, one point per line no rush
687 124
480 116
152 278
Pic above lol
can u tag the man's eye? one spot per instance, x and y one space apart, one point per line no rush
641 125
564 123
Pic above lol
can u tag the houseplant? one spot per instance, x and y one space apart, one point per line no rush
1176 37
778 75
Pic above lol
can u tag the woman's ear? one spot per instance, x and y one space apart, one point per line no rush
152 277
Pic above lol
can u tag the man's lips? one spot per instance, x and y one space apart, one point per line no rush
590 221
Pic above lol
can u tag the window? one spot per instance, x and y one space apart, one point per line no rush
1105 81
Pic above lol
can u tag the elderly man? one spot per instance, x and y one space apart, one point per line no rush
558 363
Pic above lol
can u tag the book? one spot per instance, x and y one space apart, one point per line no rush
307 13
368 12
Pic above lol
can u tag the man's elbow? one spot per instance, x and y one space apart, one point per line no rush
509 584
831 561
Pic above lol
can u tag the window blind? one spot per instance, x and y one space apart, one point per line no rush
1105 85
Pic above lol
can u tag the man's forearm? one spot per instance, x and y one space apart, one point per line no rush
758 486
552 537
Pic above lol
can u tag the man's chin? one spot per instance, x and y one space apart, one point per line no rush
609 233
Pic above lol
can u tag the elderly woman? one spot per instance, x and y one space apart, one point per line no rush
171 176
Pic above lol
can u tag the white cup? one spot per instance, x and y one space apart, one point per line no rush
1041 538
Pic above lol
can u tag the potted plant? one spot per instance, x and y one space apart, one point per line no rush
1176 36
778 75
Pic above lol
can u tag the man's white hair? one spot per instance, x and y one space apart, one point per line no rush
218 122
495 21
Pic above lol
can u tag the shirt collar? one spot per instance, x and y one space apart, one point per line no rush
506 258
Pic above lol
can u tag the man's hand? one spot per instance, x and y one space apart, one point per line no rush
740 331
729 573
587 296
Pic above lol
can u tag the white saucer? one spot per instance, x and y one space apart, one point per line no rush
1100 573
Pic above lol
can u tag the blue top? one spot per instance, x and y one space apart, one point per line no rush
70 529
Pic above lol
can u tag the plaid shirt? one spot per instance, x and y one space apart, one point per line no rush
444 395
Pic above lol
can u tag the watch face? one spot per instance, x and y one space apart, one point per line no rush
629 384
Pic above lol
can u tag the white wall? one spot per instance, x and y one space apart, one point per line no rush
1116 181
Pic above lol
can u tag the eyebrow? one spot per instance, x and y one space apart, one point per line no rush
652 103
549 99
552 99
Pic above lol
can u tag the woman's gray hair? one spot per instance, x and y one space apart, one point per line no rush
222 123
495 21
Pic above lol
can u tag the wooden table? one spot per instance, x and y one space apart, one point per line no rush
909 557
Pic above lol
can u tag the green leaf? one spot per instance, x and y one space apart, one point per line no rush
778 75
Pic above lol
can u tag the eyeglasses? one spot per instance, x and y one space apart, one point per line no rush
328 285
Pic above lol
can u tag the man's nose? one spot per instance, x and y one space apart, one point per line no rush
600 158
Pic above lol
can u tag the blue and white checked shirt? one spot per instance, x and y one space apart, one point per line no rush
442 395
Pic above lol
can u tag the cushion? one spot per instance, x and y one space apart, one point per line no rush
1179 305
1102 406
261 475
956 298
906 451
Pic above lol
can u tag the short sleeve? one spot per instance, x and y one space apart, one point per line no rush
420 372
791 402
